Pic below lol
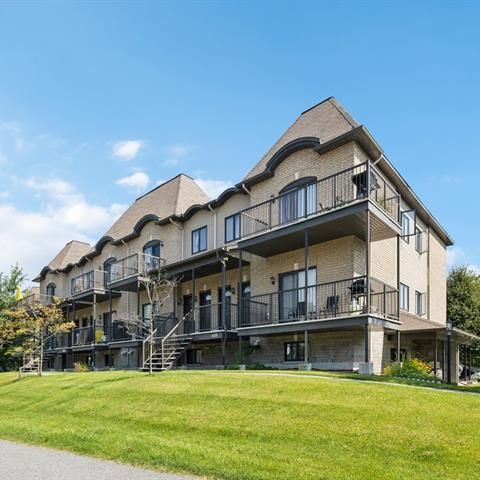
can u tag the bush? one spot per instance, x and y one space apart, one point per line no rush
409 368
81 367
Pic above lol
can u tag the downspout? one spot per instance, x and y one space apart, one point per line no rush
246 190
214 226
128 293
183 236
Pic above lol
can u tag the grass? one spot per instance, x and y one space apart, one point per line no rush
238 425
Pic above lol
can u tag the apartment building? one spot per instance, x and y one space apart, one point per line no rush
321 257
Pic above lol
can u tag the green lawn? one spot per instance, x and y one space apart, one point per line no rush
246 426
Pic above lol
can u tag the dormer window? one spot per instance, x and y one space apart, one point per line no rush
108 274
51 290
151 255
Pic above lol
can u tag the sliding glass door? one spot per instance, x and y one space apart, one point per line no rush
294 301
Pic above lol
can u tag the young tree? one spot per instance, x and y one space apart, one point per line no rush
8 286
463 301
28 326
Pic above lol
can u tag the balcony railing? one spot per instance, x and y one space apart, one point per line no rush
87 281
59 340
206 318
82 336
327 300
322 196
33 299
135 264
124 330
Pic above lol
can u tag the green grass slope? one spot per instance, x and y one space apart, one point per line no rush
245 426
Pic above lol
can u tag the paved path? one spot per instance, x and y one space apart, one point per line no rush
22 462
341 379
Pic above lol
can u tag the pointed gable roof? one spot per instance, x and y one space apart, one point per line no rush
325 121
69 254
172 197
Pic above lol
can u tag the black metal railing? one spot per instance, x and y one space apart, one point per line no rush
59 340
87 281
82 336
327 300
326 194
132 265
206 318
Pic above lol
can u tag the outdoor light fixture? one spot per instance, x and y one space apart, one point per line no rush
272 280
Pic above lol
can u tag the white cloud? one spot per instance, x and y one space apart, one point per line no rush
4 195
33 238
175 153
457 256
213 188
127 149
137 182
53 187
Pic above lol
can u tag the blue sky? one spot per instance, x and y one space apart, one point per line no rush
100 101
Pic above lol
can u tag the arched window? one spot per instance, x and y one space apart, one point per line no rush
151 255
298 199
109 270
51 290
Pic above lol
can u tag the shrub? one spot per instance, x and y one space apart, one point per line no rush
409 368
81 367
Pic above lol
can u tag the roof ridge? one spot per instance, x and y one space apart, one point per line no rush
163 184
317 104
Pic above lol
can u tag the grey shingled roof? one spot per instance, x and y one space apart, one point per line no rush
325 121
69 254
173 197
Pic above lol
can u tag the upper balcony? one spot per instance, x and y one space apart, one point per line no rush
90 286
124 274
340 200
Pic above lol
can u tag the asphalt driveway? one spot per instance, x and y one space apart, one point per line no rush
23 462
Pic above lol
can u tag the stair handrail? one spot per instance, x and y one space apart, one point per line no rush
169 334
35 356
149 340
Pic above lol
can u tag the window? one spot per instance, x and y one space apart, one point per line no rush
194 357
394 357
151 255
404 294
108 274
51 290
199 240
294 351
406 227
232 228
298 199
419 303
418 240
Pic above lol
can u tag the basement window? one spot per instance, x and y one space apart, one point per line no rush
294 351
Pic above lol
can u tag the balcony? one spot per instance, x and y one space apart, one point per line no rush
327 301
87 281
125 273
340 199
33 299
59 341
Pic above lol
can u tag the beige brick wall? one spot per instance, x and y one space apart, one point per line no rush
437 279
384 261
304 163
337 259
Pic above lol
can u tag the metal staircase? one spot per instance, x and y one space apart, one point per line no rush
161 352
33 361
